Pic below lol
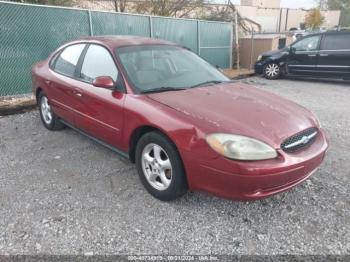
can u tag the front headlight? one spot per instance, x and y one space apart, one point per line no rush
240 147
259 58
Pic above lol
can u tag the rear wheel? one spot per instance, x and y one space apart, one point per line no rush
49 119
160 167
272 71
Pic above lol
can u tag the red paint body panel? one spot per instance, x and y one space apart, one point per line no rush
255 179
100 112
186 117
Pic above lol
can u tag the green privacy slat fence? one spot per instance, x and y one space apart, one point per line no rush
29 33
216 43
183 32
104 23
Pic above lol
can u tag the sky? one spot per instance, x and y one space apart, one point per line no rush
298 3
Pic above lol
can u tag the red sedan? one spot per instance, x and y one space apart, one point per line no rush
184 124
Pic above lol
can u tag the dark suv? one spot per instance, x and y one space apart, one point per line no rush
322 55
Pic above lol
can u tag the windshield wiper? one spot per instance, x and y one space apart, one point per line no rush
163 89
210 82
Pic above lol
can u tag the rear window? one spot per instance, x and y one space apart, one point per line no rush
66 62
336 42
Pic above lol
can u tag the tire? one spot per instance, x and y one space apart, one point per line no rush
160 167
272 71
48 117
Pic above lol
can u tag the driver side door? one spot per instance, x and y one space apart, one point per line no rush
99 111
303 57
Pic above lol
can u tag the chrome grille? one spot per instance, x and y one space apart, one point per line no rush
300 140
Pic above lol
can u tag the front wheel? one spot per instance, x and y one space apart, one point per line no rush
160 167
272 71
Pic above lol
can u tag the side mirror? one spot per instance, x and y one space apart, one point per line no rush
103 82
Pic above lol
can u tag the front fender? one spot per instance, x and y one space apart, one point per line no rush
174 124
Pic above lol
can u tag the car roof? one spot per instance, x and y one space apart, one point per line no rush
337 32
115 41
326 33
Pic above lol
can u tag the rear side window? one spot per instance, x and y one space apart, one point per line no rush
336 42
66 62
98 62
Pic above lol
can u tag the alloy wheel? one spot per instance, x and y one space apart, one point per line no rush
156 166
45 110
272 70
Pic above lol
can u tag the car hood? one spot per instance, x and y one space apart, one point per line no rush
241 109
274 52
271 53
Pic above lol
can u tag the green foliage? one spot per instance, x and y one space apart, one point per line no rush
314 19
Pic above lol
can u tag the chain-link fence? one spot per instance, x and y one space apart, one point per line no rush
28 33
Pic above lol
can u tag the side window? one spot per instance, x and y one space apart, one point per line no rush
336 42
98 62
68 59
307 44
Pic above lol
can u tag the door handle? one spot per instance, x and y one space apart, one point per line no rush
48 82
323 54
311 55
78 92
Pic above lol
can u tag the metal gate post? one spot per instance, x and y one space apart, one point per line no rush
237 42
90 23
251 49
199 37
150 27
231 47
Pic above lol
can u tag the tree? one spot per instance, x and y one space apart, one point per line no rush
120 5
338 4
314 19
47 2
321 4
175 8
344 7
219 13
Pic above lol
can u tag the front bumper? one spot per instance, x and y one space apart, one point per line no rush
258 68
251 180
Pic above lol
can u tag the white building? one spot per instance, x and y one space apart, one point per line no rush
272 18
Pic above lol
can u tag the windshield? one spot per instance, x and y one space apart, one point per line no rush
165 67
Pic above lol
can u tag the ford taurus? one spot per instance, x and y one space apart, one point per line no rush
184 124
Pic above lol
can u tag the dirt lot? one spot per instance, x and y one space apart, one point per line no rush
62 193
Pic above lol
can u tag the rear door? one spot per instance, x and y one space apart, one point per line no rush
303 57
99 111
61 83
334 56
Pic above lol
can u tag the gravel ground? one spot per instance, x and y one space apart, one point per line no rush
61 193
